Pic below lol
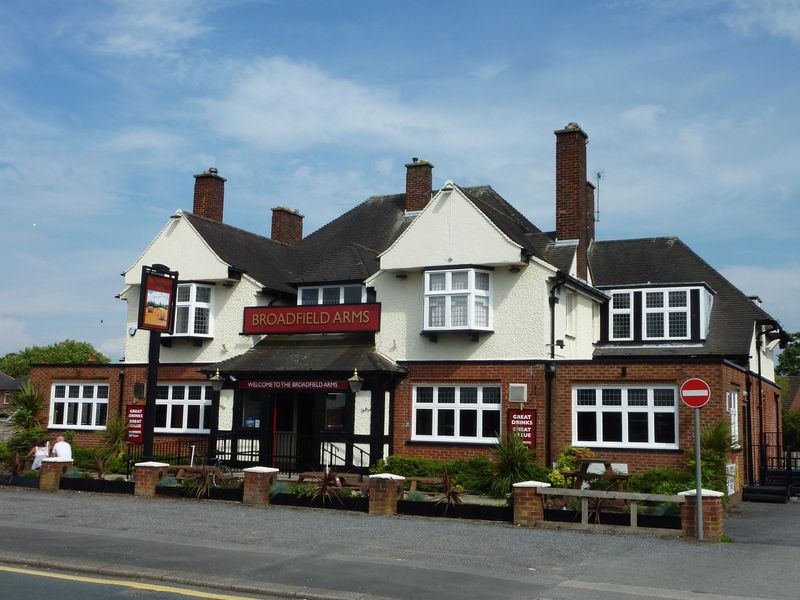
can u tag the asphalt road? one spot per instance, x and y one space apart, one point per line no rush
311 553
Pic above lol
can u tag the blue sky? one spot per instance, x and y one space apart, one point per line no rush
107 109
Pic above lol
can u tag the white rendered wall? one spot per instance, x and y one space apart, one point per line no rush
225 418
362 413
767 358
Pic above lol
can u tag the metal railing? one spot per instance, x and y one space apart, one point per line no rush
182 451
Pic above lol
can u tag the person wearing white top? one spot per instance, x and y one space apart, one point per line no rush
62 449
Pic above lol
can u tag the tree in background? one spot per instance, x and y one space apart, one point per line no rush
789 359
17 364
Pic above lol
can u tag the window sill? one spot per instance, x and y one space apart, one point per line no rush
418 442
181 431
474 334
77 427
623 448
195 340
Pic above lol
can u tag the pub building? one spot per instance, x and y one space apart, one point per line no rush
430 323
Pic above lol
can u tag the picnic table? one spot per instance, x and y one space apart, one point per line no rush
190 472
591 470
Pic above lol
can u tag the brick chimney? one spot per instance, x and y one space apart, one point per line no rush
287 225
209 195
574 196
419 184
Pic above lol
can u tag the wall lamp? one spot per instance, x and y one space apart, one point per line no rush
217 381
355 382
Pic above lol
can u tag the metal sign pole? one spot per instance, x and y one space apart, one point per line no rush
698 475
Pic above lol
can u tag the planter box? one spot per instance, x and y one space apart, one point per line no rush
614 518
96 485
358 504
20 481
227 494
483 512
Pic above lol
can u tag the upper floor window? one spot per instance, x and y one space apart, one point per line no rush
332 294
652 314
193 310
79 405
458 299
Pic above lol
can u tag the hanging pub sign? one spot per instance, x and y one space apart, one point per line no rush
330 318
523 423
157 299
135 418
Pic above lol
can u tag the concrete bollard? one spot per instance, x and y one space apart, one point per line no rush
257 483
52 471
528 503
146 476
713 515
385 490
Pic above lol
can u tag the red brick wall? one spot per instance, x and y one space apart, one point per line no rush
419 183
574 218
209 195
287 225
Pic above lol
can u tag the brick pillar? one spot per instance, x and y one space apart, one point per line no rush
52 471
528 503
147 476
257 481
713 515
385 490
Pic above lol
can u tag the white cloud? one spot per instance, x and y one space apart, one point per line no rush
13 336
148 28
778 287
779 18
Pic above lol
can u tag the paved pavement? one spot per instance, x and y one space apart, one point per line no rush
311 553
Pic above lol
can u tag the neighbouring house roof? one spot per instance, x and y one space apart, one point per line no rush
668 261
309 353
9 384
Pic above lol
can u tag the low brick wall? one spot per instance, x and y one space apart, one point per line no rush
713 515
385 490
146 476
528 504
257 483
52 471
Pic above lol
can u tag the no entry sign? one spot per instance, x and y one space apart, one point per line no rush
695 393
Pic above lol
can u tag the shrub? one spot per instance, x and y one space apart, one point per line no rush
514 462
473 474
568 459
661 481
114 437
27 403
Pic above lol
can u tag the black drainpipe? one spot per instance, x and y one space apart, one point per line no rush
550 370
121 392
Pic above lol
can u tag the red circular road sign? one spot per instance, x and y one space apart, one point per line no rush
695 393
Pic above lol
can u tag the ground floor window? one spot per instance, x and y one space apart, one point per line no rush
630 416
79 405
183 408
456 413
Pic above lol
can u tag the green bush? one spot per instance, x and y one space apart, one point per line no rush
661 480
473 474
514 462
791 429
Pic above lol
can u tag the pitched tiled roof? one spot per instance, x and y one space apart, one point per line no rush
668 261
270 263
8 383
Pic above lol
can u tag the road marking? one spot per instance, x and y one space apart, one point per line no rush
651 592
131 584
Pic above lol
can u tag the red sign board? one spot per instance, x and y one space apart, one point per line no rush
331 318
135 417
523 423
157 300
695 392
293 385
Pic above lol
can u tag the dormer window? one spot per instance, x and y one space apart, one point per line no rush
193 310
659 314
459 299
332 294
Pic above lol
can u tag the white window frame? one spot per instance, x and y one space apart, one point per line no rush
320 293
732 406
206 392
624 408
620 311
85 402
448 293
480 406
665 309
192 305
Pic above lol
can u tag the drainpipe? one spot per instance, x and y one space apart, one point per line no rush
121 392
550 369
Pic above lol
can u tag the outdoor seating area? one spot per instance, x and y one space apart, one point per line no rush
592 472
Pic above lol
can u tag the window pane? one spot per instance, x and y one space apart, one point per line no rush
468 423
88 392
447 423
424 422
637 427
184 293
176 418
587 427
334 411
654 299
621 326
309 296
664 423
193 416
182 319
161 415
469 395
162 392
621 301
195 392
60 391
86 413
458 311
612 427
436 282
102 391
677 299
586 398
664 397
678 324
491 423
482 281
481 311
637 397
655 325
202 294
447 395
58 413
330 295
491 395
74 391
72 413
352 294
612 397
206 424
459 280
436 312
178 392
100 414
424 394
201 320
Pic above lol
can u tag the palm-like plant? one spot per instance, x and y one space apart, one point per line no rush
27 403
514 462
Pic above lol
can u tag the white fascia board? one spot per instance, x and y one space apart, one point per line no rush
439 236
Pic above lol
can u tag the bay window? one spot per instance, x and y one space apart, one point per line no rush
625 416
458 299
456 413
79 405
